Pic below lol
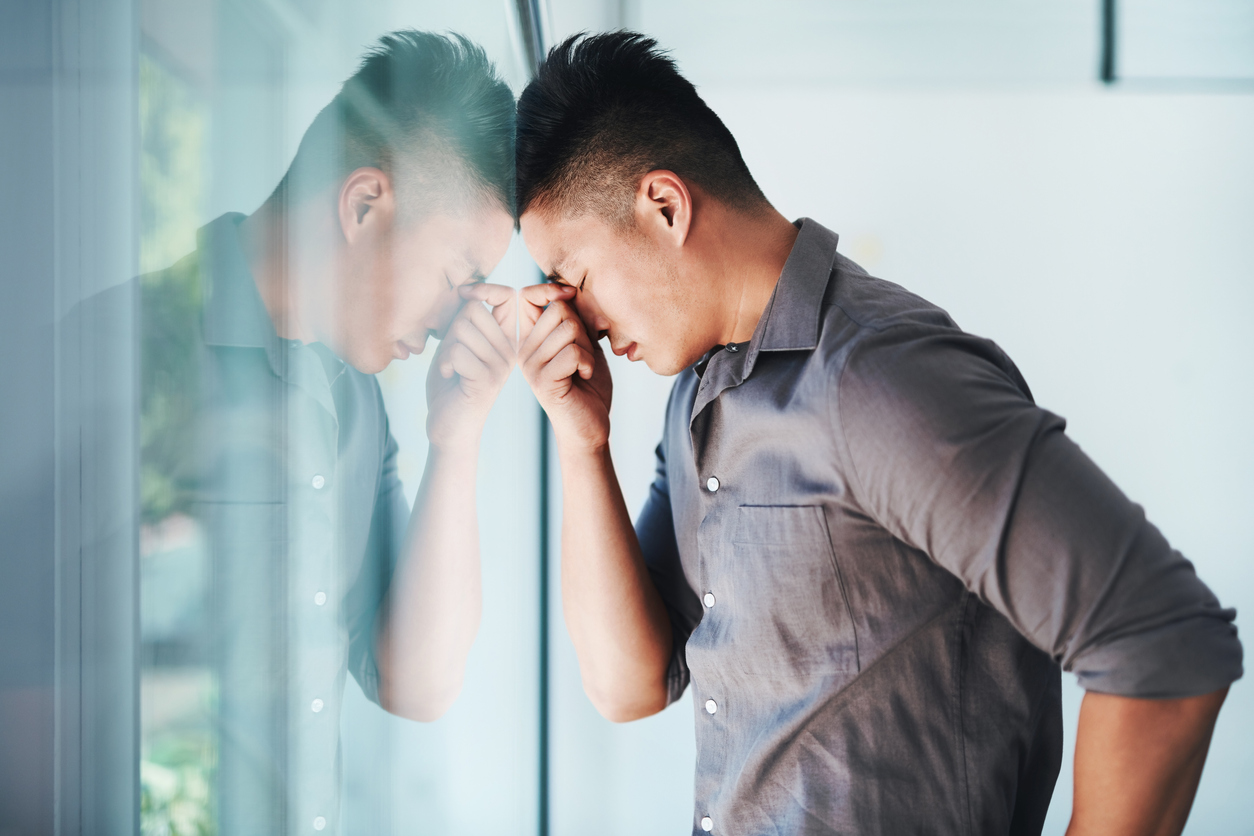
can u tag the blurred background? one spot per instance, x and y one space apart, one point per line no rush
1073 179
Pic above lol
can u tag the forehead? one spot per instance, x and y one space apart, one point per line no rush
475 237
559 243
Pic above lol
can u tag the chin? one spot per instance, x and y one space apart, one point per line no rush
370 364
665 366
674 362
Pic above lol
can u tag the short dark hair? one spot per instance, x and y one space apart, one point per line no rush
429 110
603 111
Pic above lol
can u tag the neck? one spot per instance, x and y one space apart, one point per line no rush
748 252
265 238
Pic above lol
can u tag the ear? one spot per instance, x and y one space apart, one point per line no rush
366 200
664 206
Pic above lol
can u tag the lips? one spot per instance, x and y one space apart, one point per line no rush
631 350
402 350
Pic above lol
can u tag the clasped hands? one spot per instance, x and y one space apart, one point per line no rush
540 329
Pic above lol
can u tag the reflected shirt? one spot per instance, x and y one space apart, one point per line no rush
877 553
282 453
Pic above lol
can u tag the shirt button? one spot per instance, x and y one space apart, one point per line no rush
733 348
318 482
707 823
320 823
320 598
316 706
712 483
709 599
710 706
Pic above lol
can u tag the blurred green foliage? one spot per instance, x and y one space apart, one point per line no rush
178 767
176 784
173 128
173 165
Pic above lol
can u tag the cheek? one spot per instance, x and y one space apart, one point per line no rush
370 289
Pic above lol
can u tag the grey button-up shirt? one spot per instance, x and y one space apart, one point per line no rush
877 553
283 456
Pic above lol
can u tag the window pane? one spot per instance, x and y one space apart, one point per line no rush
276 471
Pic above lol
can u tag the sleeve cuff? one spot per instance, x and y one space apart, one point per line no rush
1182 659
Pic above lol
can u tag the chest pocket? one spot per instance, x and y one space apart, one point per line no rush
792 617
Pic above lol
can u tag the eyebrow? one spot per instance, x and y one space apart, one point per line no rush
476 274
558 266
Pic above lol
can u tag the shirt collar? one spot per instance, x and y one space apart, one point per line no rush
791 319
234 314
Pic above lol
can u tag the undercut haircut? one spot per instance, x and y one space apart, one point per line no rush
605 110
429 111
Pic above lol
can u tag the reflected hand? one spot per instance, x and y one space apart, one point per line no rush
473 362
565 368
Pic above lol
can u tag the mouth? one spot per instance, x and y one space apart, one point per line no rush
631 350
402 350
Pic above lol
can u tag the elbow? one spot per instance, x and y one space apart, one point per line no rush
421 702
620 705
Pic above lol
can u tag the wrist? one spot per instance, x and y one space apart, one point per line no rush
580 437
460 446
578 451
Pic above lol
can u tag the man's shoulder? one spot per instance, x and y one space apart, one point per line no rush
866 304
173 291
115 305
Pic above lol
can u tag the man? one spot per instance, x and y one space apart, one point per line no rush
263 423
866 548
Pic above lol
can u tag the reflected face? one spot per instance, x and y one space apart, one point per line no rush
399 284
628 288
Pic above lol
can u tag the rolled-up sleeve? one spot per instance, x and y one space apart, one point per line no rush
949 453
655 529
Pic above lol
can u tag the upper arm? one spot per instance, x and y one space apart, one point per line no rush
950 455
389 521
655 531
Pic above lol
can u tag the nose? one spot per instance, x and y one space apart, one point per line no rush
594 322
599 325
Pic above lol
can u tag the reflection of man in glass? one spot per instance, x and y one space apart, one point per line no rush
866 549
262 420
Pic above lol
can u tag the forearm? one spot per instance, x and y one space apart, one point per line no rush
1138 763
616 618
435 602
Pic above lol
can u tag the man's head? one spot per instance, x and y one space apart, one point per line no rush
411 170
615 152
